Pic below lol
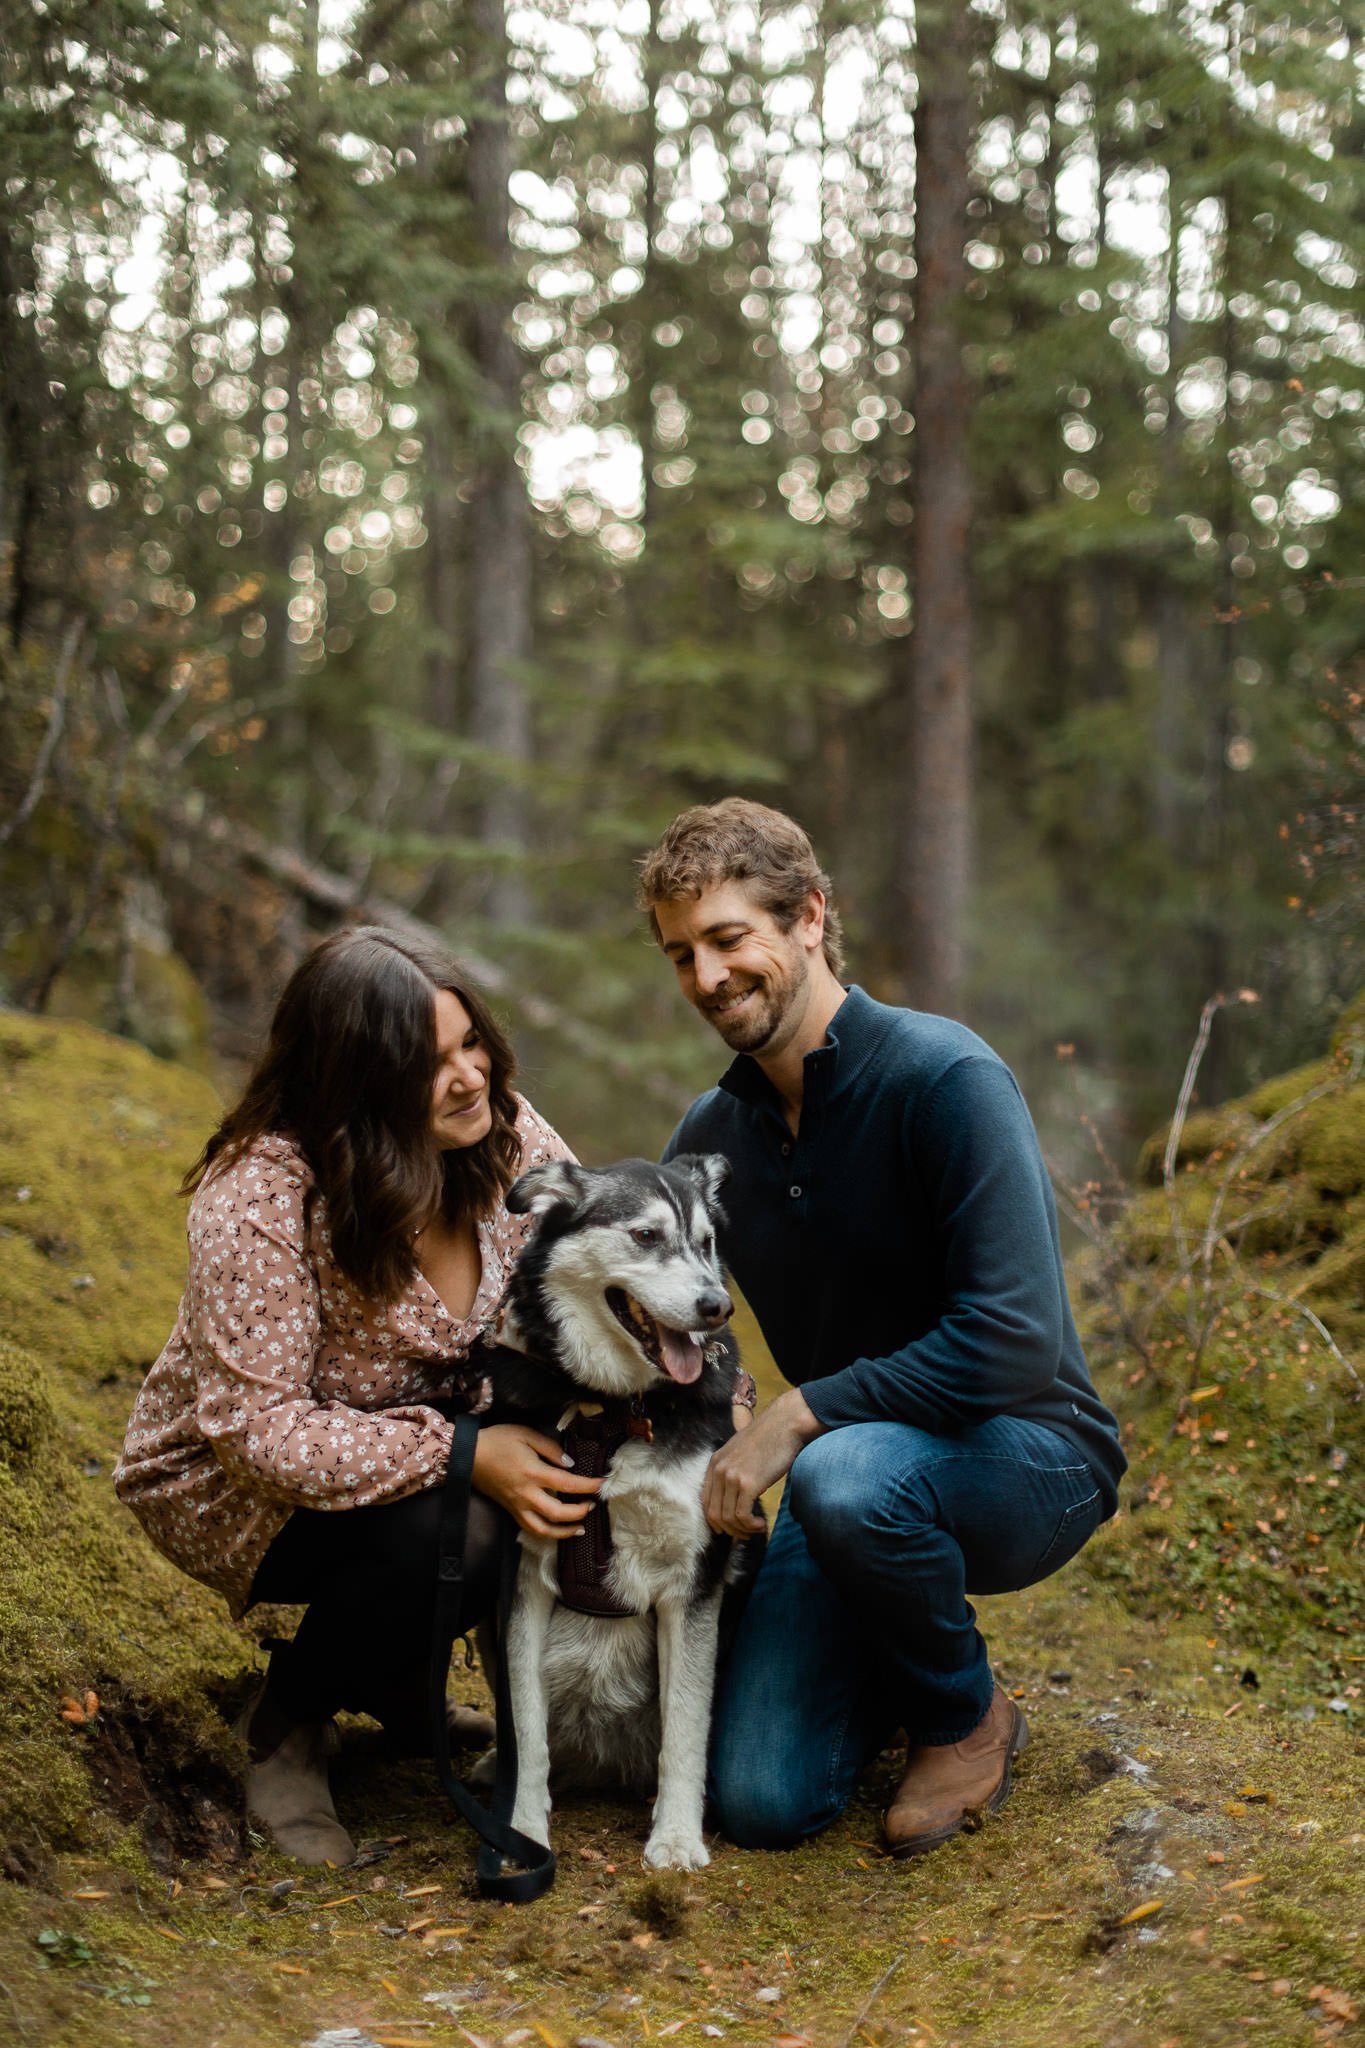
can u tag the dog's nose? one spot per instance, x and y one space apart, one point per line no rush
714 1309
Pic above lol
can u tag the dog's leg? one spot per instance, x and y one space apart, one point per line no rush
687 1672
527 1630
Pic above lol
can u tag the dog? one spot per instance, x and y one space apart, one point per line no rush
613 1336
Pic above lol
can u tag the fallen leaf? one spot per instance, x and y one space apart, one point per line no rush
387 1984
168 1934
1216 1856
792 2041
91 1703
475 2040
216 1884
421 1891
1335 2005
444 1933
1142 1912
416 1926
72 1711
347 1899
92 1895
641 1940
550 2040
1281 1988
1206 1393
1241 1884
291 1969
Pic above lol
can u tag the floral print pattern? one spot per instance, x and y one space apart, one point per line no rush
282 1386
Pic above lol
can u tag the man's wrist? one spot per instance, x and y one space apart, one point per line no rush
798 1417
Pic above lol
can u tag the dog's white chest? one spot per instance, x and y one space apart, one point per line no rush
657 1526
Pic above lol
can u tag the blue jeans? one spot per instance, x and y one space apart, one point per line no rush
859 1621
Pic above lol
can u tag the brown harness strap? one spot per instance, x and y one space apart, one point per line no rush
582 1562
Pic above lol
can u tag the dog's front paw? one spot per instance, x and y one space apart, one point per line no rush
485 1771
676 1851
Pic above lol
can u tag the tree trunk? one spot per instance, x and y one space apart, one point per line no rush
938 674
499 599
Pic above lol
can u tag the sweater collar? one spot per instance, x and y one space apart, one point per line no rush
855 1031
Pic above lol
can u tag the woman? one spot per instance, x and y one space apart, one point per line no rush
348 1248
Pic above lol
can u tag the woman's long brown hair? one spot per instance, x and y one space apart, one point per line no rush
348 1073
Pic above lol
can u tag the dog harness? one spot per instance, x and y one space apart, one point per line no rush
592 1433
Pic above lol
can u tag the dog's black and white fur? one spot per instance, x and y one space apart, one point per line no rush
619 1297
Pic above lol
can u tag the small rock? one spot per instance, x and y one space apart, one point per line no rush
769 1994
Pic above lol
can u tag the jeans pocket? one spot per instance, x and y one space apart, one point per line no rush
1075 1527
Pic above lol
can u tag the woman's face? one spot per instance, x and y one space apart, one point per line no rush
461 1113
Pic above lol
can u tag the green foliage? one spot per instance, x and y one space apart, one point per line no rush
255 483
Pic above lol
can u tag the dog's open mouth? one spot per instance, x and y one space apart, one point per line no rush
671 1351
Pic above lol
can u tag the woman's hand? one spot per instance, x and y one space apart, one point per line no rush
523 1472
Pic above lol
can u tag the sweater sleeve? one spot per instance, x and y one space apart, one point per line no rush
252 1313
998 1338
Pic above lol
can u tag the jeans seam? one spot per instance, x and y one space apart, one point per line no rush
1068 1518
836 1758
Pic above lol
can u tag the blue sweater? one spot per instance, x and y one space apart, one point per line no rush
901 1251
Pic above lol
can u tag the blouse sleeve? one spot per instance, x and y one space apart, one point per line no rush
253 1321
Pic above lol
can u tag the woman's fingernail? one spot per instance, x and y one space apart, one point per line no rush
567 1460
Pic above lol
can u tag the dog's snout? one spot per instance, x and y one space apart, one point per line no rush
714 1308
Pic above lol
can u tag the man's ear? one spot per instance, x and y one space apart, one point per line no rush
710 1170
812 921
560 1185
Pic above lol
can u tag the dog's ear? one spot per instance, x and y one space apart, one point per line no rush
560 1185
710 1170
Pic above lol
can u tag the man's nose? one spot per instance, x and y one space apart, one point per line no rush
709 971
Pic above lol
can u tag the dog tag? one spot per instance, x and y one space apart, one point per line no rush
640 1426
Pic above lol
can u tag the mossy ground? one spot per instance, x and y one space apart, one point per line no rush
1193 1683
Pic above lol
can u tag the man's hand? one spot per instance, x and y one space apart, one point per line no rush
753 1461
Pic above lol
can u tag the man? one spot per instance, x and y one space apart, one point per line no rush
893 1229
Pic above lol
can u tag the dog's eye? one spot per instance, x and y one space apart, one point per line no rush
645 1235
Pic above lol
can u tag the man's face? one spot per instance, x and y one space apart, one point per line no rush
736 965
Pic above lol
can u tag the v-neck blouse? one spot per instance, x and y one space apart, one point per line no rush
282 1385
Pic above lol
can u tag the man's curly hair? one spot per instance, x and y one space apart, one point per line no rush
739 841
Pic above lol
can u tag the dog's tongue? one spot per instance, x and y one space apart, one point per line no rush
681 1356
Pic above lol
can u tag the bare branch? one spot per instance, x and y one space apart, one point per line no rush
56 720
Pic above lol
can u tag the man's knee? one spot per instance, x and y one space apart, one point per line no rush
763 1800
852 1490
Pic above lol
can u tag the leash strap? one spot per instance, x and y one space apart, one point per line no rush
499 1841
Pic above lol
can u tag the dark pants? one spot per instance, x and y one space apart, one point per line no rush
859 1621
368 1578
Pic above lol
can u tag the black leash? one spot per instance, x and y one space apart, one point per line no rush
499 1842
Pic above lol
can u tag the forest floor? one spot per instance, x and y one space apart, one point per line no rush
1181 1864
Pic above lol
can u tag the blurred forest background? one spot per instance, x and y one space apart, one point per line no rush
440 438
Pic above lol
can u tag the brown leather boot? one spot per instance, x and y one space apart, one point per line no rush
945 1784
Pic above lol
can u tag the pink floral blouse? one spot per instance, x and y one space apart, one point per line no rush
282 1386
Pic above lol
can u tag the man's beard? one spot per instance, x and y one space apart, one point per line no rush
753 1027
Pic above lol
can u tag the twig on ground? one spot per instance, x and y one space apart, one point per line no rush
873 1995
20 2022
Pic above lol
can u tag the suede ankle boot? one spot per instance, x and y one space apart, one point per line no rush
288 1795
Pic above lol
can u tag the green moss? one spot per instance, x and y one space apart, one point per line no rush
28 1421
95 1135
1151 1754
